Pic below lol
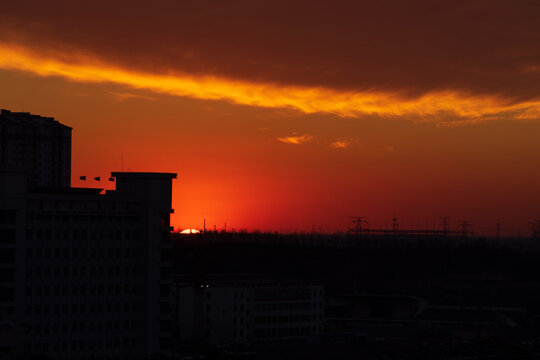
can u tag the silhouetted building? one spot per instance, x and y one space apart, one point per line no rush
248 309
83 275
40 145
82 272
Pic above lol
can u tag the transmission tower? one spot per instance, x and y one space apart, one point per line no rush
535 229
358 222
466 227
445 225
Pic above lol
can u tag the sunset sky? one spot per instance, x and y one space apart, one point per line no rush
284 115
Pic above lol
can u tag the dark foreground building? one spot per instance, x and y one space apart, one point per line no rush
82 273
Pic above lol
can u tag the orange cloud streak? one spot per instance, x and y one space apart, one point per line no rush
295 139
340 144
439 105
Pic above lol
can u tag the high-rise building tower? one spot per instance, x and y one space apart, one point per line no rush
39 145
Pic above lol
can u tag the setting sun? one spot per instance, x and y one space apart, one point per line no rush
189 231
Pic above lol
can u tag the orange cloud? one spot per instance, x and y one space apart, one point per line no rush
296 139
121 96
435 106
340 144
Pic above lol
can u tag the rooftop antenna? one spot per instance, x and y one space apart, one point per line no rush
122 162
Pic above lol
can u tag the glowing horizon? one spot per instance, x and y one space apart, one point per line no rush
357 109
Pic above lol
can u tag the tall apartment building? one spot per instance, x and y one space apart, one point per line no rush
230 309
39 144
83 274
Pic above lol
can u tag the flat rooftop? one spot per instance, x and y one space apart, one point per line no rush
146 175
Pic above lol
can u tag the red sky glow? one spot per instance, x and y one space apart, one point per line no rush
283 116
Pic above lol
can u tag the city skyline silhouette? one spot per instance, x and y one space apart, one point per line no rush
263 180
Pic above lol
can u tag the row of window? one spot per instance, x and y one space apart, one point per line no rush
80 234
80 253
283 332
99 344
28 136
285 306
66 271
76 205
92 219
236 294
91 308
287 319
65 290
236 308
82 326
281 341
285 293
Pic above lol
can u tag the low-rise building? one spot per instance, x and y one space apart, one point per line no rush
248 309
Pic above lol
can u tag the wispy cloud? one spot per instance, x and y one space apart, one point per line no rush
296 139
340 144
121 96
